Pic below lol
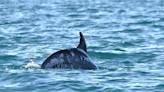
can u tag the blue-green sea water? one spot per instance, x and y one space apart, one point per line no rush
125 39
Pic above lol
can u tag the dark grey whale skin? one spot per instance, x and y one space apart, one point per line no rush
75 58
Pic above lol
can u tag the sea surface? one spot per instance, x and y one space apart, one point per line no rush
125 39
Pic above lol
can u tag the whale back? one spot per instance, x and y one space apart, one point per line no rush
75 58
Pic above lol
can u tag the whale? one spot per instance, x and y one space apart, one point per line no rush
74 58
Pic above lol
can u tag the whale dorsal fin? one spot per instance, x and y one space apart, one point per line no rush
82 44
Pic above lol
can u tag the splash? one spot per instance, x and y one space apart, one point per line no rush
32 65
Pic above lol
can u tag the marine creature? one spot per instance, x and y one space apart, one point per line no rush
75 58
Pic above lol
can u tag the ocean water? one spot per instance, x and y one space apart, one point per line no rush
125 39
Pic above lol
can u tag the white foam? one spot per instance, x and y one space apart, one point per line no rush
32 65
